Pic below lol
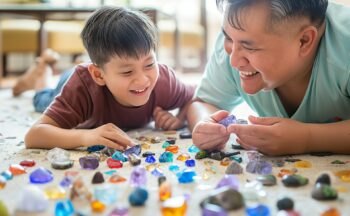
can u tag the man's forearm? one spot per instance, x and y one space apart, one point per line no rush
333 137
198 111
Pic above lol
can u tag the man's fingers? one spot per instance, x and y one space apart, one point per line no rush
217 116
264 120
246 146
210 128
213 142
249 130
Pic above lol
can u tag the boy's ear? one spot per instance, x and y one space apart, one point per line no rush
308 40
96 74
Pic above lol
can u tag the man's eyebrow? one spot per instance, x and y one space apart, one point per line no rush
223 31
245 42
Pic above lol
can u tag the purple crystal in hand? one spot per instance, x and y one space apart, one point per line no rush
259 167
138 177
231 119
41 176
230 181
89 162
133 150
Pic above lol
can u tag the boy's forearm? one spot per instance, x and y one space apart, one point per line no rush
333 137
198 111
48 136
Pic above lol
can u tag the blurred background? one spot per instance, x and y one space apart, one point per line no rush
187 31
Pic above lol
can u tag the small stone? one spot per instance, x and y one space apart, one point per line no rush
138 177
237 147
89 162
190 163
294 180
343 175
98 178
107 194
115 178
170 132
225 197
64 208
57 154
171 140
174 168
95 148
173 149
32 199
331 212
157 172
284 172
133 150
217 155
134 160
3 209
148 153
2 182
150 159
337 162
259 167
193 149
234 168
80 190
165 144
174 206
161 179
164 191
279 163
166 157
231 119
236 158
258 210
119 156
7 175
201 154
17 169
41 176
185 135
324 179
186 176
97 206
27 163
138 197
229 181
285 203
267 180
61 165
225 162
302 164
324 192
114 164
66 182
183 157
119 211
213 210
108 151
55 192
145 146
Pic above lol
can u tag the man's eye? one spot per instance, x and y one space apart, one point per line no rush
250 49
126 73
228 39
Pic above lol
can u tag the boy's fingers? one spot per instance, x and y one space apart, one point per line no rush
111 144
121 139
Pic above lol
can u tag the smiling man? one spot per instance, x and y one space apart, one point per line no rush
290 61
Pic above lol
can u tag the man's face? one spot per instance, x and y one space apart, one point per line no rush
130 80
265 60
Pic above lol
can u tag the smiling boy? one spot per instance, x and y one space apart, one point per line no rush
123 88
290 62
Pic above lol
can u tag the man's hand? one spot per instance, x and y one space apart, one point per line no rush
165 120
108 135
210 135
272 135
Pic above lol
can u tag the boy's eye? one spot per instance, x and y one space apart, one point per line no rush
126 73
150 65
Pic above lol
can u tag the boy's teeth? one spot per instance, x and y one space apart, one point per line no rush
248 73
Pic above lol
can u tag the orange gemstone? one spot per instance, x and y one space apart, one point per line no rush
164 191
173 149
331 212
97 206
302 164
225 162
175 206
183 157
343 175
284 172
17 169
115 178
2 182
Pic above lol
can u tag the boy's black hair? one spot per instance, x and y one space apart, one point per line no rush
280 10
117 31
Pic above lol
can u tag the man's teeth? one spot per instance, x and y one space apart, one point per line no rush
247 73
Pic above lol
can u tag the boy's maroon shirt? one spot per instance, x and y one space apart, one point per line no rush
84 104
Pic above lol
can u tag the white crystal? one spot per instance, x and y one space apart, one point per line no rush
32 199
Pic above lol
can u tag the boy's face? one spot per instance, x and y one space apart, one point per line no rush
265 60
130 80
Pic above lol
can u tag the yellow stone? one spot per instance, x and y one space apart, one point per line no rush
206 176
145 146
97 206
343 175
183 157
55 192
175 206
225 162
302 164
208 162
170 132
341 189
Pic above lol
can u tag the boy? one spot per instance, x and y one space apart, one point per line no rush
122 88
289 60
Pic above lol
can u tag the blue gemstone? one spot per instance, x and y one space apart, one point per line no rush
166 157
95 148
133 150
186 176
64 208
150 159
174 168
41 176
259 210
157 172
7 175
119 156
190 163
66 182
193 149
231 119
138 197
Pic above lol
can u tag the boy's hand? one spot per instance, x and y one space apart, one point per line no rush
108 135
272 135
165 120
209 134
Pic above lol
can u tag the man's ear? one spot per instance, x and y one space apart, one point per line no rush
308 40
96 74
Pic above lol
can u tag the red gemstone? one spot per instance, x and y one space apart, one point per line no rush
114 163
27 163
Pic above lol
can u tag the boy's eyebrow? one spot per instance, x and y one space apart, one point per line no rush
246 42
